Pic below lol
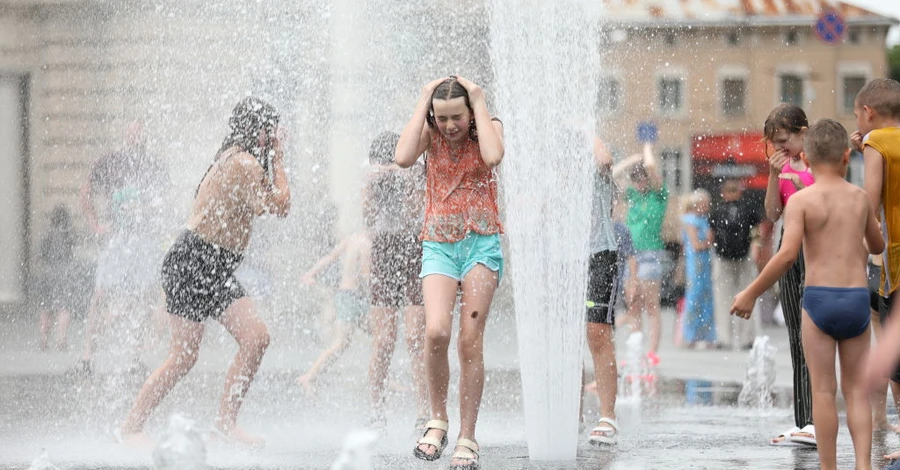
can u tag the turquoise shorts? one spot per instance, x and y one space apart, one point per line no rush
456 259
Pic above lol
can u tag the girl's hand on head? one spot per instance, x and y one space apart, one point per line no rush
475 91
429 87
778 160
856 139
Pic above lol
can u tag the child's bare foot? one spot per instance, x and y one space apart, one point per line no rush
239 436
138 441
305 382
882 425
591 387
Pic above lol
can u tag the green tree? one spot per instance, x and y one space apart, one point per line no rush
894 62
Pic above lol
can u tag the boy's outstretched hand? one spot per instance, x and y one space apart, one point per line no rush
743 305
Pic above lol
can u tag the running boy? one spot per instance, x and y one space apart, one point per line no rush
831 219
350 301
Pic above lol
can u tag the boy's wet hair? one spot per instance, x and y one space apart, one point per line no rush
449 90
826 142
882 95
250 118
789 117
381 152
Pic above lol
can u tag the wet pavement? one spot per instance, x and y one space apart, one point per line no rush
688 420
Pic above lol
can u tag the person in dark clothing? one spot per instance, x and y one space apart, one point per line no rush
732 220
57 266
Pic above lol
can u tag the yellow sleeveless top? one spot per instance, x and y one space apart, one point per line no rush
887 142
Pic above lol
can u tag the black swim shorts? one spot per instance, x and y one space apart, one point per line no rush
198 278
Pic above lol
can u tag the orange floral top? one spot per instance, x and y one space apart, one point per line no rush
461 193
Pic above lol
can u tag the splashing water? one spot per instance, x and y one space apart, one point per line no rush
633 371
181 446
758 385
357 452
532 42
43 462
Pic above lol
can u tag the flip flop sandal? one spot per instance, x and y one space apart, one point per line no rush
469 454
805 440
609 430
430 441
785 438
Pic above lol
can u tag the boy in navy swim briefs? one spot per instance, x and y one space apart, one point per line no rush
831 219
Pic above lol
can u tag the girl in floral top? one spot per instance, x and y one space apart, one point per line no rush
461 247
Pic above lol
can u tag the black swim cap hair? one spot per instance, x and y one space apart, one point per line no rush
250 118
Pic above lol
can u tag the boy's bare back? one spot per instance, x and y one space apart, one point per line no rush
356 263
834 217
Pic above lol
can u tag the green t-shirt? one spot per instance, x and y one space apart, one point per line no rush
646 213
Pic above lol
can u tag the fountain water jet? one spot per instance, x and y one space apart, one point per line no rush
545 62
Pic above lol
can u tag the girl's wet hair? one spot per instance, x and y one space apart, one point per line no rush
785 116
251 118
381 152
449 90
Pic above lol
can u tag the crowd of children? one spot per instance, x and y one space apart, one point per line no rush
432 237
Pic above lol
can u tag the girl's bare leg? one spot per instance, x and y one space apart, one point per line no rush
44 329
183 353
603 351
415 344
383 325
477 293
63 320
440 296
241 321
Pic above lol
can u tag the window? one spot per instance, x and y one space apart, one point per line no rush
669 38
733 96
609 95
791 37
671 169
792 89
851 86
670 95
733 38
853 36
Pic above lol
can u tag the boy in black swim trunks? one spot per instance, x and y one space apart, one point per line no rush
831 218
246 180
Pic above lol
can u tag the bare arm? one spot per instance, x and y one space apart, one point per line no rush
602 156
791 244
326 260
490 132
873 177
619 169
874 240
416 136
87 204
694 238
773 205
276 199
653 173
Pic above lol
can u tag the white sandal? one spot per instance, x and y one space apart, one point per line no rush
470 454
430 441
804 440
786 438
609 430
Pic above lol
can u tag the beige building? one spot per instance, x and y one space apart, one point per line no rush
74 73
699 67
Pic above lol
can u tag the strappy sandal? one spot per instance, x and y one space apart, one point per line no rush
608 430
469 453
430 441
